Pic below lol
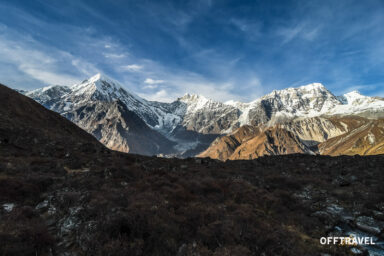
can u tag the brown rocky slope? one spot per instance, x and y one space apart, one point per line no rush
366 138
250 142
345 135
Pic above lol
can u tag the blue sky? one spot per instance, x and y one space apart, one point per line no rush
222 49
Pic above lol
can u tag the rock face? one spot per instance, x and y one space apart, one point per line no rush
273 141
314 130
223 148
119 128
48 96
250 142
365 137
188 125
207 116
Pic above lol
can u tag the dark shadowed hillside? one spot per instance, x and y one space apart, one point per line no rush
62 193
27 128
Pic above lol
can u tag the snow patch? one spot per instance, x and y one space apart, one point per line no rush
371 138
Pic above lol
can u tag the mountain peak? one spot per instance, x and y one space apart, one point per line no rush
353 96
313 86
309 90
354 93
233 103
193 97
101 77
97 83
196 102
95 77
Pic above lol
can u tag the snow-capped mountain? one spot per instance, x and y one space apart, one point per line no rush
193 120
307 101
118 118
355 103
48 96
101 88
207 116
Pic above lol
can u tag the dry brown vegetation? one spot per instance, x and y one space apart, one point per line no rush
133 205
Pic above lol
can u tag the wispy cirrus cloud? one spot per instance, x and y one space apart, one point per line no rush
132 67
114 55
300 31
153 81
36 63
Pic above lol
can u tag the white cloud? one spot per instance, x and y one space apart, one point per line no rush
245 87
216 91
51 66
40 64
251 29
114 55
290 33
84 67
152 81
179 87
34 63
151 86
240 24
162 96
311 34
303 31
132 68
50 77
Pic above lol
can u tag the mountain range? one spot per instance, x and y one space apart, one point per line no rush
63 193
307 119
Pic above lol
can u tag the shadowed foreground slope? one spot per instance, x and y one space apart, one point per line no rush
93 201
27 128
